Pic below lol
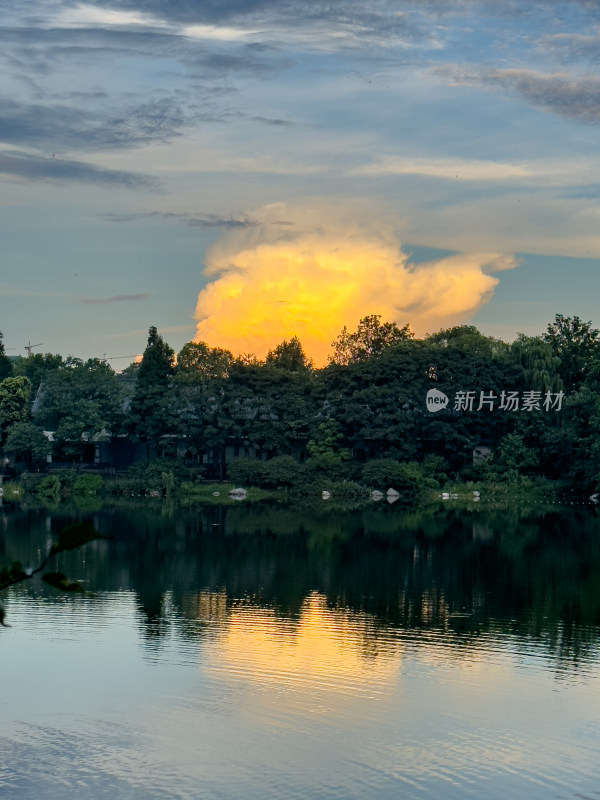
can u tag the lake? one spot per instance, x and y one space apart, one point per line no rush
261 652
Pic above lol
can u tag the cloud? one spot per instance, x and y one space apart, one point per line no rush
192 220
574 97
409 22
537 172
273 121
117 298
215 12
446 168
568 47
309 278
56 170
60 127
71 44
317 23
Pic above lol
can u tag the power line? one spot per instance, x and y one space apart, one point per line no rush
114 358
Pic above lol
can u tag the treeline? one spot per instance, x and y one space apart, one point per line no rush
528 408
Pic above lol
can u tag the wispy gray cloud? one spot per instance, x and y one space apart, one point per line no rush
391 17
61 127
117 298
263 21
573 47
243 60
37 168
574 97
38 51
273 121
192 220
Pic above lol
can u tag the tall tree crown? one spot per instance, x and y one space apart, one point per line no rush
289 355
370 339
5 365
158 361
576 345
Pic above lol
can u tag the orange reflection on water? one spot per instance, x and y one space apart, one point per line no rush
327 650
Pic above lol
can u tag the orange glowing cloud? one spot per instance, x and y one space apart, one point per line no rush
309 274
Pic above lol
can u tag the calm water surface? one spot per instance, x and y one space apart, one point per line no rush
263 653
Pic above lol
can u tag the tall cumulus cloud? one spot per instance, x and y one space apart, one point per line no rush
309 273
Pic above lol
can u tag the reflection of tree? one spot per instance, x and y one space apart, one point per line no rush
532 578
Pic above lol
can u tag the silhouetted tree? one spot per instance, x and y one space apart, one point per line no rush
196 360
5 365
469 340
36 367
576 345
289 355
370 339
150 411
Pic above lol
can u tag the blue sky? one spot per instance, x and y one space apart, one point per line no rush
295 163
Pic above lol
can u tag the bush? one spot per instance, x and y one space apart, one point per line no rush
49 487
161 474
88 484
152 470
346 490
340 491
248 471
386 473
328 466
513 458
66 478
30 481
283 471
436 468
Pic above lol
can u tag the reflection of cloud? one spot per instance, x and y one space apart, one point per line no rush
321 271
327 650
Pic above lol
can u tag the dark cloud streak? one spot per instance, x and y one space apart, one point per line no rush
189 219
117 298
55 170
576 98
60 127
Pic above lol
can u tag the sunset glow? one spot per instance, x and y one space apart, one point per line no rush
301 279
326 647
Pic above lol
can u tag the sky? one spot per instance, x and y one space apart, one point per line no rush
243 172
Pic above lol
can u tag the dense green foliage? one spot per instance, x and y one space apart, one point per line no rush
513 411
150 405
5 365
36 367
14 403
370 339
27 443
